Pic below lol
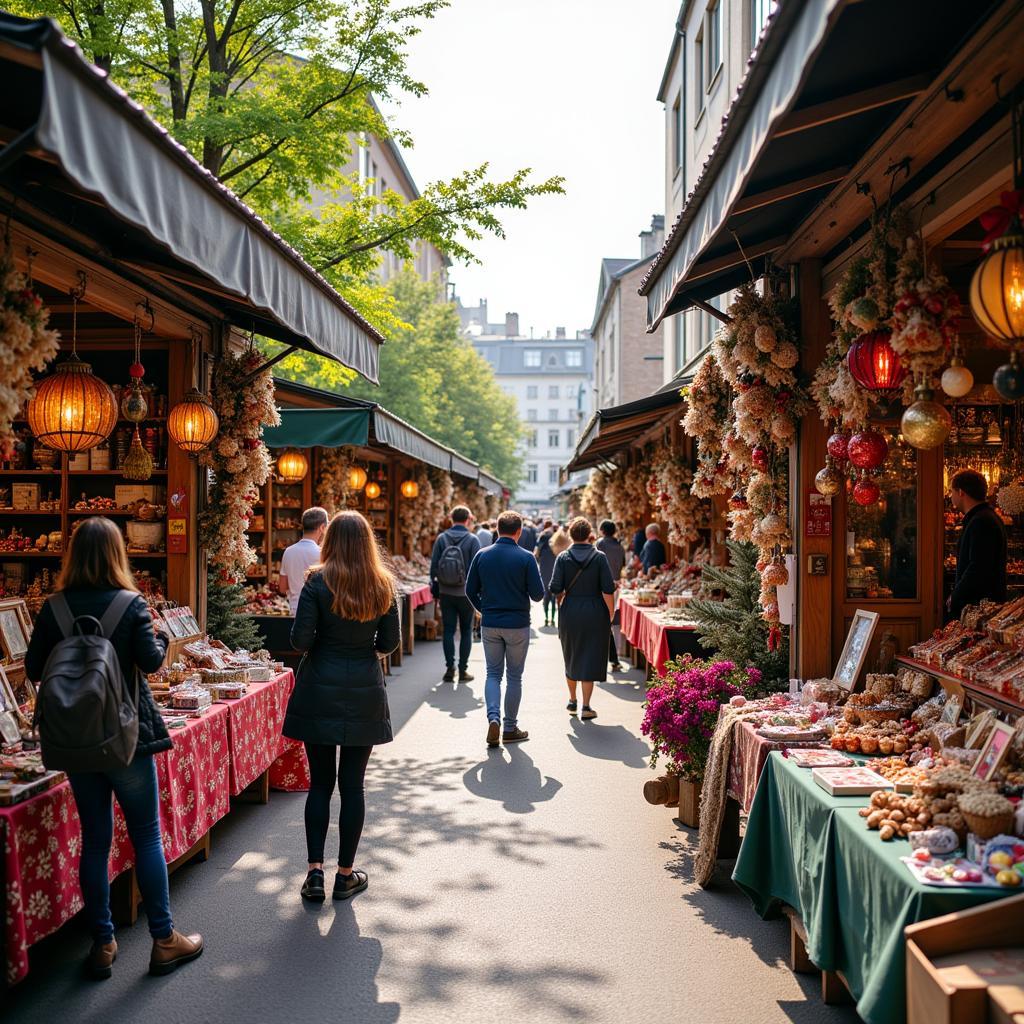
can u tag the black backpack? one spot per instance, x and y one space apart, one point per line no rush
86 717
451 566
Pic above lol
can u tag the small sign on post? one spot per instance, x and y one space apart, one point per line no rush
819 516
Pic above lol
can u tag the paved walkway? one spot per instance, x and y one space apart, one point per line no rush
531 884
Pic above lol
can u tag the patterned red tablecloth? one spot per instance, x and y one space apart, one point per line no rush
641 628
290 772
420 597
254 732
42 837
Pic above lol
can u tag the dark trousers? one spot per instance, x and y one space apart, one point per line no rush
136 791
326 769
550 605
457 612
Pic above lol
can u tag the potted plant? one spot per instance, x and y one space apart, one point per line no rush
679 719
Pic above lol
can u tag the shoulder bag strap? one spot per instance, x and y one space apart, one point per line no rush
580 567
62 614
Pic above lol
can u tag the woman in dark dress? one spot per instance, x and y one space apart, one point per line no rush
583 582
347 618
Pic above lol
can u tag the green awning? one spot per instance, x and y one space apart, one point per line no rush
326 428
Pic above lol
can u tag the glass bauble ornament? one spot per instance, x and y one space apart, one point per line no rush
759 457
134 406
1008 380
867 449
926 423
837 446
738 502
829 481
957 380
866 491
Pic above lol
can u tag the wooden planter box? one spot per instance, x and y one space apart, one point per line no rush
689 803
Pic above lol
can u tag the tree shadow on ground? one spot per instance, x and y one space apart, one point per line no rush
454 699
516 782
625 687
609 743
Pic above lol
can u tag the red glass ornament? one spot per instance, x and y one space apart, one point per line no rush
866 491
836 446
136 371
759 457
867 449
873 363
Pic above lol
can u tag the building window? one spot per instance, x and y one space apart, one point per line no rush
759 11
553 437
552 414
531 472
570 438
531 439
531 357
713 36
531 414
552 360
531 390
572 391
574 357
698 71
677 133
552 391
552 474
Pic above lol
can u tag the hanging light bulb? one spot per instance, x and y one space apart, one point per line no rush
410 489
373 490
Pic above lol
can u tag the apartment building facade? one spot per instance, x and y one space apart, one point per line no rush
707 62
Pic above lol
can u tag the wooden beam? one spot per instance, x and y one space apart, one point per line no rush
787 191
711 311
751 252
855 103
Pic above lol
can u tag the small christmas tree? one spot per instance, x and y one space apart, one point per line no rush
225 620
732 627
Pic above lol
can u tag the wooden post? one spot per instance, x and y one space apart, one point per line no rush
183 475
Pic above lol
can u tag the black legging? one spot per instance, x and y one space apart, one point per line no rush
324 770
550 601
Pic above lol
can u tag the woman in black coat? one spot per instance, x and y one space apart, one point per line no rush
584 580
347 618
95 575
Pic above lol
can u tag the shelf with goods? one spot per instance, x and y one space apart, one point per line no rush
955 683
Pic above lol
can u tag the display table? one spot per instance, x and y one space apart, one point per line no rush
42 837
657 641
747 759
811 851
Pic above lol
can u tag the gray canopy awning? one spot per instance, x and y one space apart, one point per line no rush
491 485
464 467
391 432
157 207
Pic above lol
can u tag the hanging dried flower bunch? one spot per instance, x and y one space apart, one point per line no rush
708 419
26 344
625 493
669 487
592 498
332 486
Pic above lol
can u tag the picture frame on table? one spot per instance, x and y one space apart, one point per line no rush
10 708
951 711
15 629
855 650
997 746
978 729
173 623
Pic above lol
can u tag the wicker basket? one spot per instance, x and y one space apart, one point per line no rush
988 827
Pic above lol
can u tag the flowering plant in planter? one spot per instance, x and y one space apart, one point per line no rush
682 707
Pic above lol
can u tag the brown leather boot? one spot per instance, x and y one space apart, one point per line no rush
170 953
101 959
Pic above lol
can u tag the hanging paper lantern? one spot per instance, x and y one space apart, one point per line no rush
957 380
829 481
72 410
926 423
356 478
1008 380
759 457
867 449
292 466
837 445
866 491
373 490
193 423
997 288
873 363
410 489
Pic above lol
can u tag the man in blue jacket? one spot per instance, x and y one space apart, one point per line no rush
503 580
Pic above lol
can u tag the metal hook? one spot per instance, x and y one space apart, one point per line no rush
954 95
146 308
78 293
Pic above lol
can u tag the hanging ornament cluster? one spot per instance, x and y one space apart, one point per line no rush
708 419
670 488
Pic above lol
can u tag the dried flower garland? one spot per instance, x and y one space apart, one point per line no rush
474 497
669 487
708 419
625 494
332 486
26 344
238 458
592 501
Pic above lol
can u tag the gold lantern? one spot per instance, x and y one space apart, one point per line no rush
193 423
356 478
72 410
292 466
997 288
410 489
373 490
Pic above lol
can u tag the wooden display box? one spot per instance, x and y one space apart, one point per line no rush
940 991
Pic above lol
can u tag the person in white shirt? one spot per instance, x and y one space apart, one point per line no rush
298 557
484 535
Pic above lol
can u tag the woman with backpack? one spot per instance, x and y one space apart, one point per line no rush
346 621
583 585
96 589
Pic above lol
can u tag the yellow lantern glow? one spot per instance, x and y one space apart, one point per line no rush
373 490
193 423
356 478
410 489
72 410
997 288
292 466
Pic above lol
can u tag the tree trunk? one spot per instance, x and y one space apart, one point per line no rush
213 150
175 85
97 20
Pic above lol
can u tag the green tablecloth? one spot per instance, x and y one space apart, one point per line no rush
813 851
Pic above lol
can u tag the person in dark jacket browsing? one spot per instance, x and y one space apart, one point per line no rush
347 618
503 580
456 611
981 554
95 571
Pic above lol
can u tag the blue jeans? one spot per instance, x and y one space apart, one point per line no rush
457 613
505 654
136 791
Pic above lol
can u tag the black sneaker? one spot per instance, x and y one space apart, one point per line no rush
346 886
313 887
449 676
588 712
571 707
465 677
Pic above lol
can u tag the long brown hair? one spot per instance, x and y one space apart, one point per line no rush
97 558
361 584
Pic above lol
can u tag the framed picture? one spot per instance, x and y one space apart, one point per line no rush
9 700
996 748
15 629
978 729
855 650
951 712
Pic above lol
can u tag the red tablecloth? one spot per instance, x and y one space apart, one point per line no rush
254 729
640 627
42 837
420 597
290 772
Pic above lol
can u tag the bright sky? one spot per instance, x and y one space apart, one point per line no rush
563 86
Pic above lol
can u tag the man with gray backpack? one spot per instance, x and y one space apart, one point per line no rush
449 566
92 642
